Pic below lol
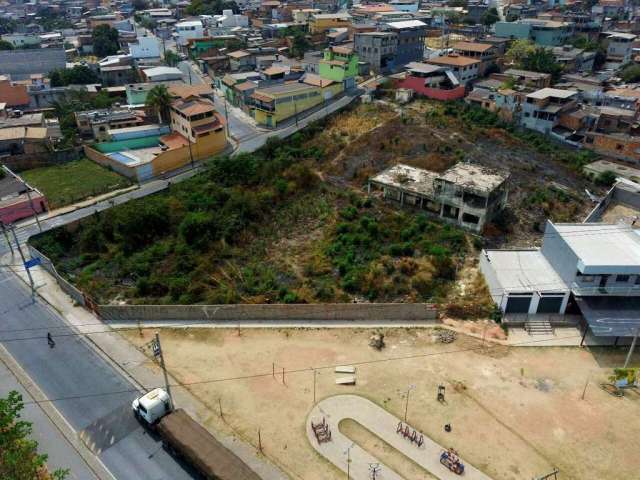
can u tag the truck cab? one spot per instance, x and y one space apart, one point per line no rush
152 406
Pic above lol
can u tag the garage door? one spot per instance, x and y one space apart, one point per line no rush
518 305
550 304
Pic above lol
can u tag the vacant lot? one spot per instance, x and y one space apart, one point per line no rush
74 181
515 413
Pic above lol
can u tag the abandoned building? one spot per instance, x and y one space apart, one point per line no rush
466 194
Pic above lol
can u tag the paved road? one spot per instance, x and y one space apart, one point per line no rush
383 425
50 439
74 369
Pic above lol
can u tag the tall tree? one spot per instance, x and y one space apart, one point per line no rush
211 7
159 99
490 17
78 75
105 40
19 457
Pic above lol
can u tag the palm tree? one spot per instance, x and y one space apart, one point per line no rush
160 99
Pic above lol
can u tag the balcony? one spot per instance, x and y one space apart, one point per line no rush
606 291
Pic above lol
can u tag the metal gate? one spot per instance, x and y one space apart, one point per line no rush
518 305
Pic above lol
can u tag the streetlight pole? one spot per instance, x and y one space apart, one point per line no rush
348 452
6 237
632 348
24 262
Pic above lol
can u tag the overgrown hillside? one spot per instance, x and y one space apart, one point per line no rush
258 228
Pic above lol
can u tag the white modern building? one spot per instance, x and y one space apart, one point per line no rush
188 29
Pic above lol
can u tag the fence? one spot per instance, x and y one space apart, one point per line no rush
28 161
66 287
301 312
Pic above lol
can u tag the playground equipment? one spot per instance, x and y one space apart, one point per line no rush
412 435
321 431
451 460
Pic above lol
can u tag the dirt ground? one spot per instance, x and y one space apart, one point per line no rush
515 412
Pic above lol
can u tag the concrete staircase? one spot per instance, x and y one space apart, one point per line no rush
538 326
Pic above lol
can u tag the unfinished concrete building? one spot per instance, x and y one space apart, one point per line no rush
466 194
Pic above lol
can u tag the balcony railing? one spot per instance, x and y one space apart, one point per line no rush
621 291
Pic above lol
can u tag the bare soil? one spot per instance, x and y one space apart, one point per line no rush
516 412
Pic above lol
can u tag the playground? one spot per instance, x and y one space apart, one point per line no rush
512 413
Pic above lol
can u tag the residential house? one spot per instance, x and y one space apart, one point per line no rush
573 59
323 22
525 78
241 60
378 49
13 96
465 69
197 132
96 123
145 48
619 47
485 52
494 95
18 199
273 105
431 81
162 74
117 75
542 109
340 64
467 195
546 33
22 40
186 30
627 97
411 41
616 134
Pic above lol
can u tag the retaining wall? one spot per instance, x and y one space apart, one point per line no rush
220 313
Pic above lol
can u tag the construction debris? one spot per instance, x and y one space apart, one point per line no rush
377 341
446 336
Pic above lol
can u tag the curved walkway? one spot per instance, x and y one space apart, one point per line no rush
382 424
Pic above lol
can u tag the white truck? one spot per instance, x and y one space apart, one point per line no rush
183 437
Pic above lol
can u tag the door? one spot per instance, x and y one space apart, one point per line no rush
518 305
603 281
550 304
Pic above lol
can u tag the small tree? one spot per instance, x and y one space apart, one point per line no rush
4 45
159 99
19 457
171 58
490 17
105 41
606 178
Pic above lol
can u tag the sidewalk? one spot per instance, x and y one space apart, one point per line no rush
132 363
383 425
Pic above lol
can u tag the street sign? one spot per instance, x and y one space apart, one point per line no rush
33 262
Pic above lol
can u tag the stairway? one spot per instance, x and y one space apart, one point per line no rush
538 326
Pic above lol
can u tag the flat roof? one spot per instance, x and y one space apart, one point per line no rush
601 248
408 178
472 46
406 24
526 73
600 166
423 67
552 92
474 177
524 271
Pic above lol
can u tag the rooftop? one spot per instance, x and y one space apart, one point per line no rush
408 178
193 106
475 177
526 74
454 60
406 24
524 270
600 247
472 46
552 92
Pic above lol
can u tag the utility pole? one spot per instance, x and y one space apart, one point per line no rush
226 115
314 384
160 355
33 289
6 236
406 405
632 348
348 452
35 214
295 108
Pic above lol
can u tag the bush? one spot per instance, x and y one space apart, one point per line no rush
606 178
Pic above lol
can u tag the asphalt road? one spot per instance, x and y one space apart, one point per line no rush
50 439
81 386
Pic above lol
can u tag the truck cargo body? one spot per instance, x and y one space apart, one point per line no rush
186 438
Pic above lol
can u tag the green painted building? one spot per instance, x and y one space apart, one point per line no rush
340 64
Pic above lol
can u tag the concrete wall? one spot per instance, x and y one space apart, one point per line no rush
417 84
69 289
27 161
336 312
22 63
563 260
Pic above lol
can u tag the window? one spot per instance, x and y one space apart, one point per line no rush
589 140
619 146
622 278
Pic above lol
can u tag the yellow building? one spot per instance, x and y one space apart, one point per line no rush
323 22
197 132
272 105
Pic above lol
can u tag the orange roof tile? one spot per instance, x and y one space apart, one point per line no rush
454 60
174 140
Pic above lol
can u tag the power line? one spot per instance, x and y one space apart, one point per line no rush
300 370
